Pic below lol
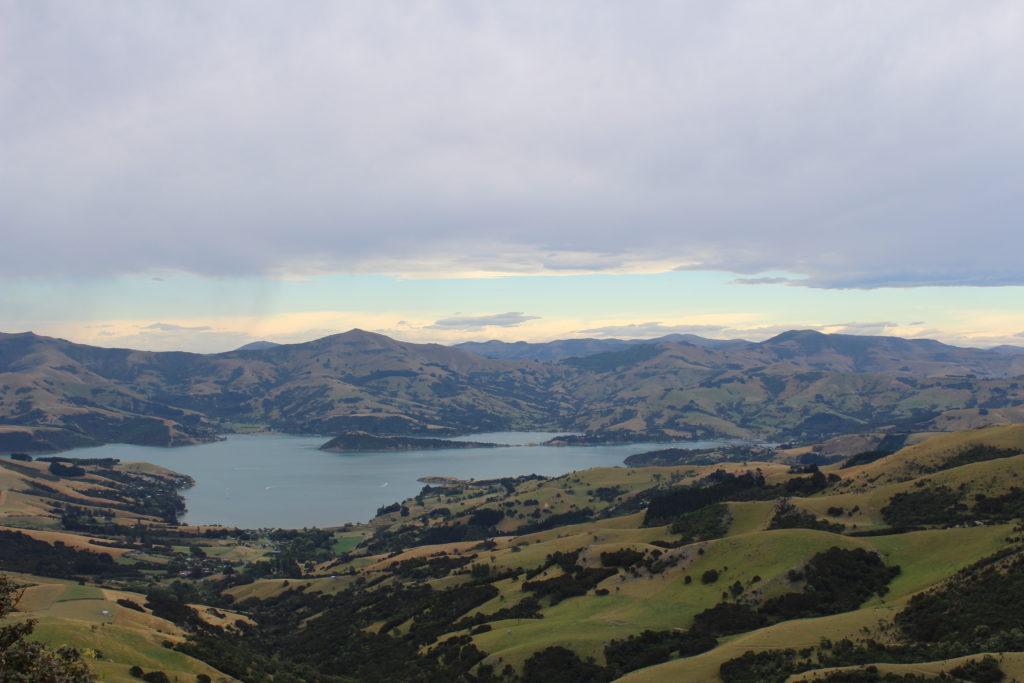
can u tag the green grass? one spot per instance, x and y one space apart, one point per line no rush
663 601
928 557
346 544
1011 663
749 517
70 614
127 647
76 592
798 633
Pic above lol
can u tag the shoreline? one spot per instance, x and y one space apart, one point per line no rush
308 487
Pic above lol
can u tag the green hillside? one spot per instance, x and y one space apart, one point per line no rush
741 571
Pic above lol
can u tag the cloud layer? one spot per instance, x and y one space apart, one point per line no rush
479 322
650 330
858 145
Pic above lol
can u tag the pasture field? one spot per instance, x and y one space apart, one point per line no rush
1011 663
788 634
114 638
595 518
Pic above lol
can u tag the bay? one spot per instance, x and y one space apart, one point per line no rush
277 480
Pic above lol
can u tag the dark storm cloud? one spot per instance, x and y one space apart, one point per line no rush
478 322
855 144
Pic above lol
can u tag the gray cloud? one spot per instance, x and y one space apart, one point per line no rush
650 329
1019 334
857 145
479 322
169 327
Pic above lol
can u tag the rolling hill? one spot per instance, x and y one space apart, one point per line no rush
56 394
798 386
912 562
574 348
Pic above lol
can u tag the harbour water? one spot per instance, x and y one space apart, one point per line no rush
276 480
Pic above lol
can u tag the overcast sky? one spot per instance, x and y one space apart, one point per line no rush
195 174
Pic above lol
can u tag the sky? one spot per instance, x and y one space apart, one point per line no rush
194 175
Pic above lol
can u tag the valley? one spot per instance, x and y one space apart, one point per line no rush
677 510
739 570
506 342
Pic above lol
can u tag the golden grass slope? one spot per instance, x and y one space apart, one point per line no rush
927 456
1011 663
30 494
756 558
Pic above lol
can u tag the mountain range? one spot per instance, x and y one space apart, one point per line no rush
798 385
568 348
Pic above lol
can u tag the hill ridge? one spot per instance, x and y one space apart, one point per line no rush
799 385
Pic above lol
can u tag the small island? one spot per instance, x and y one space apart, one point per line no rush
618 436
360 442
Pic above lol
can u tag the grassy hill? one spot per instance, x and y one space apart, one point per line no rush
113 637
55 394
738 571
801 385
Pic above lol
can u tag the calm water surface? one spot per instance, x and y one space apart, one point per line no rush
284 481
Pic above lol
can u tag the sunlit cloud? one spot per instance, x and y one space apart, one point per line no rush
861 328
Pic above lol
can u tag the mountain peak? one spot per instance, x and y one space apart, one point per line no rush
257 346
357 333
795 335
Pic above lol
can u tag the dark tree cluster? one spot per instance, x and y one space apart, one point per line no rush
569 585
930 505
721 486
653 647
978 453
836 580
705 524
788 516
59 469
20 552
981 609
